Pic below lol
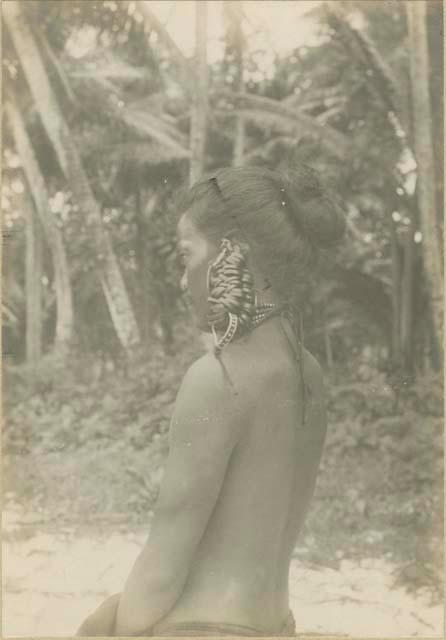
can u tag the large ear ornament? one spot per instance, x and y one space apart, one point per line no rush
231 294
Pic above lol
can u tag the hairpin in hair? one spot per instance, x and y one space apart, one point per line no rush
214 181
283 201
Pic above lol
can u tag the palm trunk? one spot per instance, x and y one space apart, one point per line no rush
70 161
236 44
145 205
200 95
33 276
36 183
407 299
422 119
182 64
140 254
239 143
198 123
396 297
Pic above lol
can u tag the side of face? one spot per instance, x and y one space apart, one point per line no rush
196 253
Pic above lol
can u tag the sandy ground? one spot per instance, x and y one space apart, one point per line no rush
51 581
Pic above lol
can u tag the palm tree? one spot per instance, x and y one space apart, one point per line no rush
384 86
422 119
182 64
37 187
70 161
33 280
198 124
235 44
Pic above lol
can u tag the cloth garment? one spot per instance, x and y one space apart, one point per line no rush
216 629
102 623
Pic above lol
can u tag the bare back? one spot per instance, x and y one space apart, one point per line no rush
240 570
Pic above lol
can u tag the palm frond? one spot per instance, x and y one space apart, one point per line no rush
382 83
274 113
314 97
104 64
365 50
141 153
265 150
136 117
153 126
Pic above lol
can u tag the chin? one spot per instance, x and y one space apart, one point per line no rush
203 326
201 320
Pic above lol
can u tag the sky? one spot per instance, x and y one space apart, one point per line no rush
280 24
271 27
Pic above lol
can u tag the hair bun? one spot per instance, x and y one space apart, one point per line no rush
312 210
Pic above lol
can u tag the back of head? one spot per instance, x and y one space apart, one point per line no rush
312 211
286 217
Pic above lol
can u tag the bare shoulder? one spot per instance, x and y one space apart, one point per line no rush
206 398
207 375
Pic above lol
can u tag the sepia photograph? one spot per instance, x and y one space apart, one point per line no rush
222 318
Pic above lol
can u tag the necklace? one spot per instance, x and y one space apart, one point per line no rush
263 311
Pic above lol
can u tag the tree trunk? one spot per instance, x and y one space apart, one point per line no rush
200 95
407 299
183 66
145 205
140 254
435 36
396 297
199 110
70 161
36 183
422 119
33 277
235 46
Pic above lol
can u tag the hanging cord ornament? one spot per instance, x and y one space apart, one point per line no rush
295 318
301 365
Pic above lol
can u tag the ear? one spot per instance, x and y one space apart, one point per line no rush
235 236
245 249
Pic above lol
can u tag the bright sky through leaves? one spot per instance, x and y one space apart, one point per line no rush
271 28
277 26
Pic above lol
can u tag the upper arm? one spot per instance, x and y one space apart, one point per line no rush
204 431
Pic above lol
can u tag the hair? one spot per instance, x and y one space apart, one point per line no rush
287 218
